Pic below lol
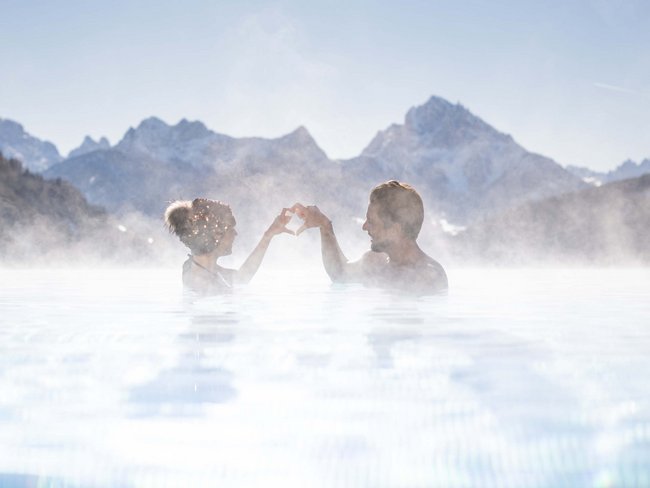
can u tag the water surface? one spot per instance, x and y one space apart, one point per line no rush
517 378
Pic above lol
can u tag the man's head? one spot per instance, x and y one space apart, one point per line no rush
395 211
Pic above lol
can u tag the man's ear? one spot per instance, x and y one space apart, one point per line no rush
395 228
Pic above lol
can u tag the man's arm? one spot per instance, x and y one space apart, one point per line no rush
336 264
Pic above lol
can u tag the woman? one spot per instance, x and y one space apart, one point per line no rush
207 228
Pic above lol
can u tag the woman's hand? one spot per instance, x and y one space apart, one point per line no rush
311 216
279 225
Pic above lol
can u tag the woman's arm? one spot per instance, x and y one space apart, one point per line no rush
252 263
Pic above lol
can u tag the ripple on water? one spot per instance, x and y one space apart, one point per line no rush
530 378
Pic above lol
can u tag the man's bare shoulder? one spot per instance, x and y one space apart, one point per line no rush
372 258
426 276
374 269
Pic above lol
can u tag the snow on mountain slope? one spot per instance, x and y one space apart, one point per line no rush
464 166
35 154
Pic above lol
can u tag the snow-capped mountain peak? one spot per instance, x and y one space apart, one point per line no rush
153 124
465 164
447 124
35 154
188 141
90 145
436 125
300 136
192 129
627 169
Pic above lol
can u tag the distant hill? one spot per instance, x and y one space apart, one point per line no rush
463 166
42 218
25 196
35 154
604 225
627 169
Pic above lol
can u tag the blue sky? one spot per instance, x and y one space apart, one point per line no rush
567 79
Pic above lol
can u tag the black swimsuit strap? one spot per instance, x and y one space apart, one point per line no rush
203 267
213 273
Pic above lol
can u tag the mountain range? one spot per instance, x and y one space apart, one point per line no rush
37 155
156 163
627 169
463 167
468 173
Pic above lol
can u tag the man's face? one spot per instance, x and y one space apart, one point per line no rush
380 236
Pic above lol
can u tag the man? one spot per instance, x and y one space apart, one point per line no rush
393 222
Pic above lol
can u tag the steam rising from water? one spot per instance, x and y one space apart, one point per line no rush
607 225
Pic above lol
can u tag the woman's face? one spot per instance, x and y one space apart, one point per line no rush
225 243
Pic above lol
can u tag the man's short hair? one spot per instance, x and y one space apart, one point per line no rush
399 203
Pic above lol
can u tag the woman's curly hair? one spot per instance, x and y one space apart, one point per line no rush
199 224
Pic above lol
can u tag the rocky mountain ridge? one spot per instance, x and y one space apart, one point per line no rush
16 143
157 162
89 145
627 169
462 166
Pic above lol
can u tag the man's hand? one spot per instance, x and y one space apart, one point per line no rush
279 225
311 216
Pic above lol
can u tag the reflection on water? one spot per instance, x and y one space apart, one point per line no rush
179 390
516 378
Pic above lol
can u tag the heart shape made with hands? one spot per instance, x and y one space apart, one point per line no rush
303 213
294 223
309 215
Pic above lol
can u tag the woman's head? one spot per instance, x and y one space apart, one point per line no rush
202 225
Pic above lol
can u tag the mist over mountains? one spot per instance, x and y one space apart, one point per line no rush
468 173
45 220
605 225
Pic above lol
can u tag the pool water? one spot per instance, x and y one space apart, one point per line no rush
516 378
